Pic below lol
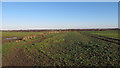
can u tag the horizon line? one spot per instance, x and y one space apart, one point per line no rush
57 29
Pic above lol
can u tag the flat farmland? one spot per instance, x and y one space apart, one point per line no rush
61 48
109 33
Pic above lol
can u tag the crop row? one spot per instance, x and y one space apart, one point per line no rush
74 48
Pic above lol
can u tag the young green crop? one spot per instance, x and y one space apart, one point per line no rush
72 49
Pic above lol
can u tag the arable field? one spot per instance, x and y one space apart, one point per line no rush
61 48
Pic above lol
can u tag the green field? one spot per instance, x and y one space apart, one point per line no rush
110 33
62 48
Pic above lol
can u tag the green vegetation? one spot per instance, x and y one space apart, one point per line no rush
67 49
110 34
8 47
18 34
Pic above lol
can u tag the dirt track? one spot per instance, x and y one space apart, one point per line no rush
111 40
17 57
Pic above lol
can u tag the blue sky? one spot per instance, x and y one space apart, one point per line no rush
54 15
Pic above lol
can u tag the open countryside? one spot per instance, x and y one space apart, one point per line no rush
61 48
57 34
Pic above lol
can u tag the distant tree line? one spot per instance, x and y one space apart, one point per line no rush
59 30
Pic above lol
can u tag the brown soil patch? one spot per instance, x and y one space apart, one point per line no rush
17 57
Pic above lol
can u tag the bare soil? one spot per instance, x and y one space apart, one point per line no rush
17 57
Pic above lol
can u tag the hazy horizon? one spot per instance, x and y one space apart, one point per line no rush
59 15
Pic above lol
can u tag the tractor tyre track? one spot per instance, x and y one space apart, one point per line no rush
111 40
17 57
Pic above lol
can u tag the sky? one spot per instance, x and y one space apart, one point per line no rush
59 15
60 0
